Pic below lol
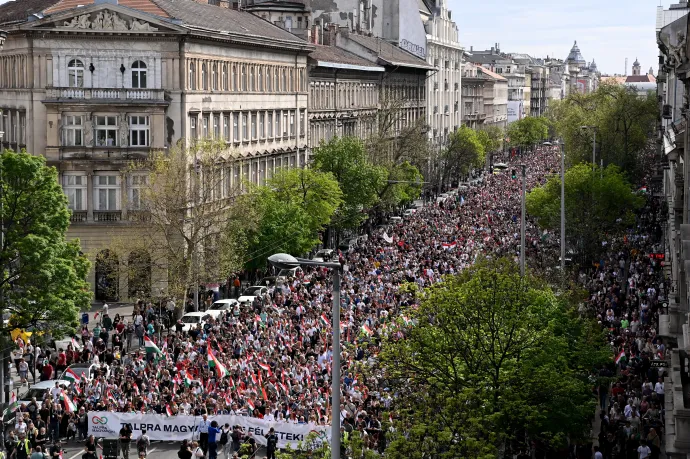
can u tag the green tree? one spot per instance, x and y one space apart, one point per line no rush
465 150
318 193
359 180
598 203
470 374
491 137
403 185
529 131
624 123
43 275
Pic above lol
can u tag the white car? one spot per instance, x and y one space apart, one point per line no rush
409 212
252 292
36 391
192 319
323 255
220 306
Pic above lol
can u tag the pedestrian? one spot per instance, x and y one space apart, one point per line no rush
185 452
643 451
90 448
213 436
198 453
224 440
38 453
143 443
125 440
271 444
203 432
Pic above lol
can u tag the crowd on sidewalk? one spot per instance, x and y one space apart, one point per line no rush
271 359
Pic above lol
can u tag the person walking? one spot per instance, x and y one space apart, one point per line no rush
125 440
203 432
213 436
271 444
224 440
143 443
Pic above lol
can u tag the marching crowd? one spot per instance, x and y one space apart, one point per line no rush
271 358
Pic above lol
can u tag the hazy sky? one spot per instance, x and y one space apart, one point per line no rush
606 30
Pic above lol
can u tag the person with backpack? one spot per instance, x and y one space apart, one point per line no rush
224 440
271 444
143 443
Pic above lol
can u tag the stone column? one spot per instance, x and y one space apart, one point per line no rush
89 196
124 199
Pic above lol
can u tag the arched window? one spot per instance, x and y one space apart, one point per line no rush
204 80
244 78
139 274
224 77
252 86
214 77
138 75
107 276
75 70
261 79
192 76
284 87
234 77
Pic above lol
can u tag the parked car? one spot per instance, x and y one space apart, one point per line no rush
347 244
221 306
90 370
252 292
409 212
192 319
36 391
284 274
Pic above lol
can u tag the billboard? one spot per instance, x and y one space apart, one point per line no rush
515 110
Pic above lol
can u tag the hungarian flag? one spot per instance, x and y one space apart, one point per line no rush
325 320
70 406
620 356
13 402
70 375
284 387
367 330
95 316
75 345
250 404
151 346
406 320
136 389
221 371
228 399
263 393
168 411
231 384
187 379
264 367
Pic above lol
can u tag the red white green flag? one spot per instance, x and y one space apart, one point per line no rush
150 346
70 375
168 411
213 362
325 321
70 406
620 356
367 330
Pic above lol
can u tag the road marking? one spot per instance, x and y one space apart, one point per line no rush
151 450
77 455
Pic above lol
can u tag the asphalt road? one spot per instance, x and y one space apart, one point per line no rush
157 450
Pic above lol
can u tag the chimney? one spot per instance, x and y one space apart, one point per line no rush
471 48
493 50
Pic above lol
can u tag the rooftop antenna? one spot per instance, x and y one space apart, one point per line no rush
625 73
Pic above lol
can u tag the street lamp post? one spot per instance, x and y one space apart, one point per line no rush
3 36
285 261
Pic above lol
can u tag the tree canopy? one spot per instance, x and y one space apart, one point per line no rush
492 361
528 131
597 203
465 150
623 122
43 274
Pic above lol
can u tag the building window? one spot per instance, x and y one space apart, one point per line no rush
284 87
139 75
234 78
107 192
106 131
276 82
193 134
278 123
261 79
226 128
192 76
74 185
204 80
245 127
244 78
302 121
75 70
214 77
269 80
270 124
224 77
254 133
262 131
285 123
236 127
73 131
292 124
252 86
137 182
139 131
204 127
216 126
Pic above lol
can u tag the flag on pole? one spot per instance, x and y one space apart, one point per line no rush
221 371
263 392
151 346
70 375
13 402
325 320
367 330
168 411
187 379
264 367
620 356
70 406
250 405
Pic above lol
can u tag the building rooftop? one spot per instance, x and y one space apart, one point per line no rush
334 55
19 11
145 6
575 56
389 53
640 79
491 74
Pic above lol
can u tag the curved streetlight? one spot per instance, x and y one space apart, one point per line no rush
287 261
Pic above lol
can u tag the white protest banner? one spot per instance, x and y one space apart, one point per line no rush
158 427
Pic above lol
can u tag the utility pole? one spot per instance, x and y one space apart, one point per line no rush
523 249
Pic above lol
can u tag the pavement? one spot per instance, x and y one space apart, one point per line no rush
157 450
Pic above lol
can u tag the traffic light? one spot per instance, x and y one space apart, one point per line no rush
513 174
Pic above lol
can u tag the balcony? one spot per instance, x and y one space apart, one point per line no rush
78 216
86 94
97 153
107 216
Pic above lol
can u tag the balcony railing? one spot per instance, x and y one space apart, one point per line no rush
78 216
107 215
139 216
104 94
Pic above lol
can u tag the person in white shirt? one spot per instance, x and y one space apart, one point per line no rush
643 451
203 426
56 391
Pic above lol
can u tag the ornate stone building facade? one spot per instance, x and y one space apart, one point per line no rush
94 87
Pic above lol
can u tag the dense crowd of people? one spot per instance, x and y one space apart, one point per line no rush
278 350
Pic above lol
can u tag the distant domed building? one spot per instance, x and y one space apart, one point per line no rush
636 67
575 58
582 77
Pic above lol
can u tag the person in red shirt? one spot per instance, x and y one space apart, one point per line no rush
61 361
46 372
